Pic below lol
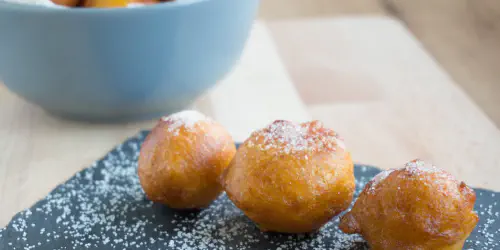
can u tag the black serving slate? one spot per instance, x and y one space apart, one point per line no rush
104 207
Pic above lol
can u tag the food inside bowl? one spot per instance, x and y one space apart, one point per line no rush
90 3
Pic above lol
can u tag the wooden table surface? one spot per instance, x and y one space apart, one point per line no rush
368 78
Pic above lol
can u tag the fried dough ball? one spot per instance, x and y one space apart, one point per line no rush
67 3
291 178
181 160
418 207
105 3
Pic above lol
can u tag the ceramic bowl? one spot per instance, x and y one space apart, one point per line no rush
120 63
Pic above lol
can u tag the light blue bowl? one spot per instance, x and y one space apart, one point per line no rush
123 63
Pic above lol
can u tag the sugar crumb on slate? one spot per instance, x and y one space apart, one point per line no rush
104 207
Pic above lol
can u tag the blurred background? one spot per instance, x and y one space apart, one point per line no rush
462 35
398 79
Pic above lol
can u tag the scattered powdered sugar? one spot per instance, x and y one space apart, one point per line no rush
416 168
45 3
186 119
104 207
379 178
419 167
427 172
136 5
487 233
289 137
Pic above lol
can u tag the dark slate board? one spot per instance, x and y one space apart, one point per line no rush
104 207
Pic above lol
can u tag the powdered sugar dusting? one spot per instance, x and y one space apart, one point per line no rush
379 178
44 3
186 119
136 5
416 169
288 137
418 166
104 207
487 232
422 170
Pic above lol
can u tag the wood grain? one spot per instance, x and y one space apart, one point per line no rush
463 35
293 9
38 151
370 79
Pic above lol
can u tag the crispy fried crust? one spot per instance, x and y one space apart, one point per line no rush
105 3
67 3
291 178
415 207
181 167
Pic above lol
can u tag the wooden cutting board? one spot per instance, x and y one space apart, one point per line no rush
370 79
366 77
37 151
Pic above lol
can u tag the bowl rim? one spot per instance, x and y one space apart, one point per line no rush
36 8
